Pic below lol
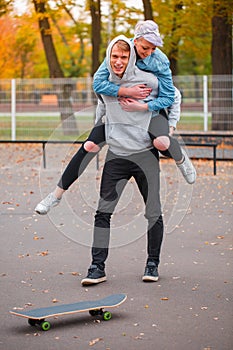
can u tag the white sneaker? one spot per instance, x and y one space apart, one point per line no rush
187 169
46 204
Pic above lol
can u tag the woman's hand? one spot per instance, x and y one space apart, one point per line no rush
139 92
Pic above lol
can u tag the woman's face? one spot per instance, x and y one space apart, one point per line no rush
143 47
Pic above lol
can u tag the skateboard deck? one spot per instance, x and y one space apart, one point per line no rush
95 307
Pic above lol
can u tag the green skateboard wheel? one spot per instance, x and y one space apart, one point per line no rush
107 316
45 325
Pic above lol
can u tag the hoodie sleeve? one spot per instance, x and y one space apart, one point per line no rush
159 65
100 109
101 85
174 109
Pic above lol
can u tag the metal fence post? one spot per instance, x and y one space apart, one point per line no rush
205 102
13 110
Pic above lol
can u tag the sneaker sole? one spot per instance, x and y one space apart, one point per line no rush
89 281
40 212
150 279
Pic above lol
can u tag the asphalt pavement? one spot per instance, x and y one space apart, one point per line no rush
44 258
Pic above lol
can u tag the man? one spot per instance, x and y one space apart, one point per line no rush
130 154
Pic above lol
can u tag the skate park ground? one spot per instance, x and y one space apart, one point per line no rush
44 258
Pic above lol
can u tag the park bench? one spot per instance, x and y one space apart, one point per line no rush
209 144
44 142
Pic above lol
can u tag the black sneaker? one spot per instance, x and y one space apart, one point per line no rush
95 275
151 272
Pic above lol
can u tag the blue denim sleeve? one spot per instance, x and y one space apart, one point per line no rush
159 65
101 85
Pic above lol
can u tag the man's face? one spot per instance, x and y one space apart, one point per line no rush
143 47
119 60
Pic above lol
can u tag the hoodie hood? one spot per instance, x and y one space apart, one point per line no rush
131 64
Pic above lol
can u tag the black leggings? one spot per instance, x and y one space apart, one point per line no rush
82 158
158 127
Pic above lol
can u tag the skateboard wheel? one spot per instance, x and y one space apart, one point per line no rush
45 325
31 322
107 316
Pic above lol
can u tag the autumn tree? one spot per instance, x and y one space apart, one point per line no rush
5 6
148 11
222 115
94 6
65 88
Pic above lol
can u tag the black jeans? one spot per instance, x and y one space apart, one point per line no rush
144 167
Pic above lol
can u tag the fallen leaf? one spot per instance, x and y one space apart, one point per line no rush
28 304
55 300
44 253
94 341
75 273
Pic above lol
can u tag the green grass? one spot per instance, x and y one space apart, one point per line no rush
44 128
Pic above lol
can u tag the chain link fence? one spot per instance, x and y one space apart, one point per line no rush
64 109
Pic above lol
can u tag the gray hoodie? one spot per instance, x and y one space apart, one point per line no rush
127 132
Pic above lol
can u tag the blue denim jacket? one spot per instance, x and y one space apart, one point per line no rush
158 64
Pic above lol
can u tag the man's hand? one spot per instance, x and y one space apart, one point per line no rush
139 92
131 105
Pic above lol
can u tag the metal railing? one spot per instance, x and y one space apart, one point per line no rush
62 109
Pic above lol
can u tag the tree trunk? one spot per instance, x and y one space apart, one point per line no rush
94 6
64 95
148 11
173 54
222 113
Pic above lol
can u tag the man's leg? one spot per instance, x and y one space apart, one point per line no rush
148 181
114 179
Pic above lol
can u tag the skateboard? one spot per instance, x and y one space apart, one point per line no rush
95 307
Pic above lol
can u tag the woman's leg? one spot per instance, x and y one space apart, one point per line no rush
169 146
82 158
75 168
